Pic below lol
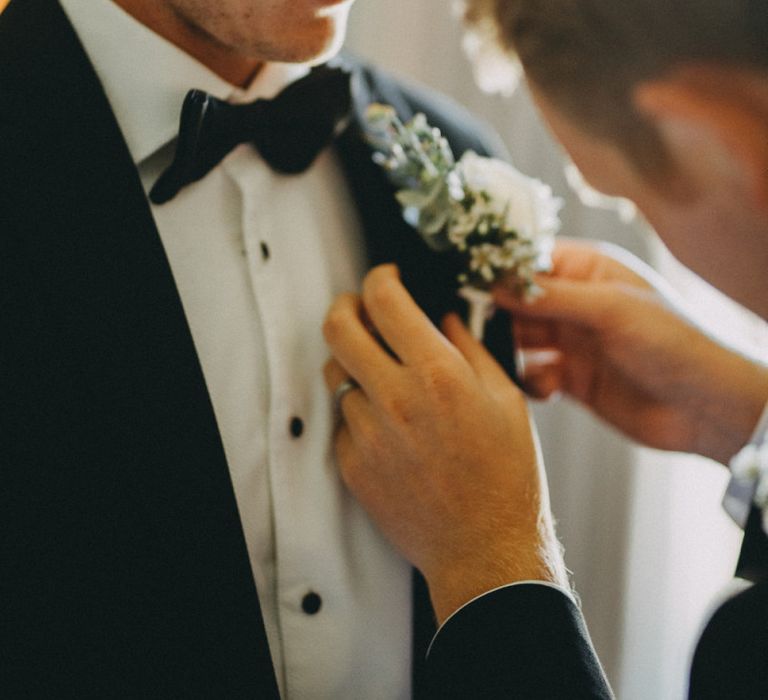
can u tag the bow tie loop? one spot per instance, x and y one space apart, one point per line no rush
289 131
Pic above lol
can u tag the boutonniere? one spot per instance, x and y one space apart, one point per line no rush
500 221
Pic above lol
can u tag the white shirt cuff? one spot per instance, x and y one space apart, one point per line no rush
740 494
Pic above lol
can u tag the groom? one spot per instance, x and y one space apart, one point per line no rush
170 521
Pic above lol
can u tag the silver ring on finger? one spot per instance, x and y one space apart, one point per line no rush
341 391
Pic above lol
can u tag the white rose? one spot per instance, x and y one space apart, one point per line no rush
526 204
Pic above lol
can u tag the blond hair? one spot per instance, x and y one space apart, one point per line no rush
587 55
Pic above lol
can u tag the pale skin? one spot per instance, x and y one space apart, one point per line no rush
234 38
437 443
627 352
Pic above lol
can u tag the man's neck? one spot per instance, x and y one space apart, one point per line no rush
163 20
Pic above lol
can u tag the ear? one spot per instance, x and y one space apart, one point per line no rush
714 117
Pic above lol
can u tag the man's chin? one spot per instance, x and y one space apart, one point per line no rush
316 46
330 50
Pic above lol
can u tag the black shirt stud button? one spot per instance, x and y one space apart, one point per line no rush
311 603
264 251
297 427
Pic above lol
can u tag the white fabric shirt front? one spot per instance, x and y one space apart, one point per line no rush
257 258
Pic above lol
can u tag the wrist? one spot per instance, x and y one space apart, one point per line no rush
460 581
732 413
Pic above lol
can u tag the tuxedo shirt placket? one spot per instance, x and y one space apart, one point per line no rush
295 229
257 258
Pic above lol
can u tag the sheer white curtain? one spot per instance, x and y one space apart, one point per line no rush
644 534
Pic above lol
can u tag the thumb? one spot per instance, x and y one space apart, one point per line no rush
585 303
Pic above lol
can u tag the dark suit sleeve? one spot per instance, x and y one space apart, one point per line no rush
731 659
522 641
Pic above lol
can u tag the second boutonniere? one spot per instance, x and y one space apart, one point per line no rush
501 221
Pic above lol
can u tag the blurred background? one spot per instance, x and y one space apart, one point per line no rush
650 548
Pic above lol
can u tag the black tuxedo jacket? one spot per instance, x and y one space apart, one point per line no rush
123 567
531 642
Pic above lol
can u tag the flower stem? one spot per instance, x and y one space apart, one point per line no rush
480 309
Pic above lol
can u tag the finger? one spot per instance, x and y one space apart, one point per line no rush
533 333
356 474
581 366
398 319
478 357
353 346
335 375
547 387
347 457
570 254
354 404
586 303
543 380
581 259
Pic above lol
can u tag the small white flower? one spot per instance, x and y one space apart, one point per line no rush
455 187
482 260
458 236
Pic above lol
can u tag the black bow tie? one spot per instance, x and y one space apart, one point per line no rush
288 131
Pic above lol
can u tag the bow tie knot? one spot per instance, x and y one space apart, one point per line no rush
289 131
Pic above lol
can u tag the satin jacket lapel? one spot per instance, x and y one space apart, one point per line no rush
431 278
117 446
